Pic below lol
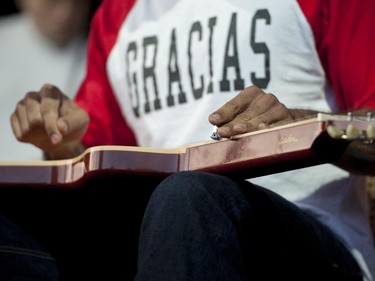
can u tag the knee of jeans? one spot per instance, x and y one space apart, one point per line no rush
181 181
194 184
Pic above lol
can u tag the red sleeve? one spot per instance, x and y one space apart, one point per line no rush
107 124
345 36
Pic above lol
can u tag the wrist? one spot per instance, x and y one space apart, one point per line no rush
298 114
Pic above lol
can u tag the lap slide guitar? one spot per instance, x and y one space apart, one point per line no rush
313 141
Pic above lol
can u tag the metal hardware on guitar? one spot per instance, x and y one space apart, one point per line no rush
357 128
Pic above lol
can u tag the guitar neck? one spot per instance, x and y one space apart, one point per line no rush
282 148
286 147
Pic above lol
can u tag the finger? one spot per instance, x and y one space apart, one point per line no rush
235 106
264 112
29 129
16 128
20 116
19 119
50 111
277 114
73 121
29 113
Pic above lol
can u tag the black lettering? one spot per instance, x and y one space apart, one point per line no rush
197 92
261 48
149 72
174 75
132 79
232 61
211 25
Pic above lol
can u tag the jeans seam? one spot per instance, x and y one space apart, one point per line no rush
25 252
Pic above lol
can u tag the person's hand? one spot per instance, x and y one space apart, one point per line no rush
359 158
250 110
51 121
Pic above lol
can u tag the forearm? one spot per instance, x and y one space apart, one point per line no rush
302 113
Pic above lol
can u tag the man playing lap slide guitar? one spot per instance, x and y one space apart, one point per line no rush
260 71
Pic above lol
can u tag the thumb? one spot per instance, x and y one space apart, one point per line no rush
73 123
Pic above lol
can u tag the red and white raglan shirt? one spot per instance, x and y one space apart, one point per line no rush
157 69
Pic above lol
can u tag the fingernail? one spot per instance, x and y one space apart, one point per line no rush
215 117
55 138
63 126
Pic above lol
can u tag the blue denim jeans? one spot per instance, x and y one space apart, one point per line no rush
200 226
22 258
196 226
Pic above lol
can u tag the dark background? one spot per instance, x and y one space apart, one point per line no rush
7 7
